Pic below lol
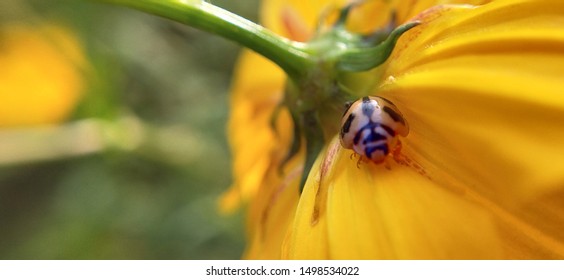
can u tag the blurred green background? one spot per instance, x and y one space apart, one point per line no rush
140 195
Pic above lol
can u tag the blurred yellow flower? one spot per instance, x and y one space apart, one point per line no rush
481 174
40 74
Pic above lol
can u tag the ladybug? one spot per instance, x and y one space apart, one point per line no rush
371 126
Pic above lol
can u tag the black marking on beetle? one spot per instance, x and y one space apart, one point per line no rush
388 129
369 150
386 100
394 115
366 99
347 125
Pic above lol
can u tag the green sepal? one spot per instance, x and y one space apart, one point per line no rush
364 59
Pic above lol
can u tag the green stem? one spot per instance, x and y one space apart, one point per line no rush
202 15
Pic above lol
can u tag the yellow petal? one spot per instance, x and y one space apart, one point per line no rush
295 19
40 77
270 215
385 212
481 89
256 92
407 9
307 236
536 244
371 15
298 20
258 150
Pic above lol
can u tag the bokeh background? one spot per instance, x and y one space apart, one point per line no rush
112 134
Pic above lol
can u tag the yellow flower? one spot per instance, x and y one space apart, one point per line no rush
40 78
481 174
